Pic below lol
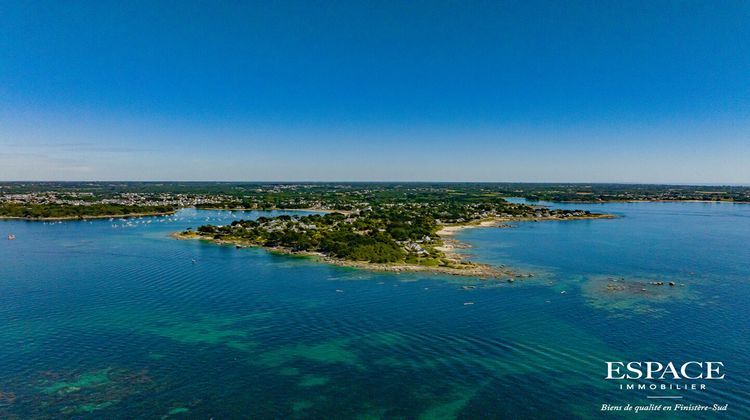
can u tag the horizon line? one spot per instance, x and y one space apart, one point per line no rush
709 184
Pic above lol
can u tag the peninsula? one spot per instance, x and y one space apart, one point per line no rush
386 231
377 226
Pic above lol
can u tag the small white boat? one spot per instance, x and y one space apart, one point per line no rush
11 237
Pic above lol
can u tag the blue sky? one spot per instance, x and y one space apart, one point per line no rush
592 91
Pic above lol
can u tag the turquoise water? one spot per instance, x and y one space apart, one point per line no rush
113 319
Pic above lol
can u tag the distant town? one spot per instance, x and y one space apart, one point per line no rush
71 200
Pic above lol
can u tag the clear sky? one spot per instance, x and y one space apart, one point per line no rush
595 91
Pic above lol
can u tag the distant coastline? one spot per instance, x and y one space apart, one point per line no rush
163 213
90 217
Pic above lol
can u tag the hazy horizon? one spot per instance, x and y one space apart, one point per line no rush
575 92
367 182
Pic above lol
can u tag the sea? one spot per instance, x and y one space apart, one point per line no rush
116 319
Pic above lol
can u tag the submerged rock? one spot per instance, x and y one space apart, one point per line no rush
632 296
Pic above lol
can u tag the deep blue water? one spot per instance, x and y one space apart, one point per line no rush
104 319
